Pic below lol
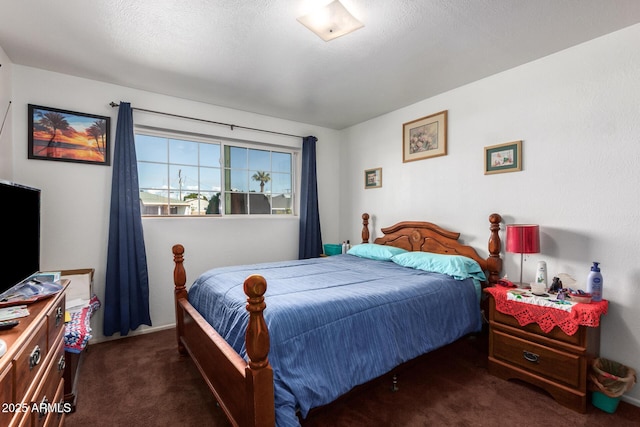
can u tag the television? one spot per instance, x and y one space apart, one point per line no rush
20 245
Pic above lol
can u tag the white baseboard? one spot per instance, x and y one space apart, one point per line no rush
631 400
140 331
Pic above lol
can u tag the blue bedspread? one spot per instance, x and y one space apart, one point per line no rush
338 322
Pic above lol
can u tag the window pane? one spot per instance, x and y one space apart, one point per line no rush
198 204
154 203
235 203
210 155
259 204
260 181
152 175
236 157
281 162
213 203
177 204
281 183
260 160
183 179
183 152
281 204
151 148
237 180
210 179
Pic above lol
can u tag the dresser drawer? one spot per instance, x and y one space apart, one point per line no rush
550 363
6 395
45 396
55 321
56 419
30 359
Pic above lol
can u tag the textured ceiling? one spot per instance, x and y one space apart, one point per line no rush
253 55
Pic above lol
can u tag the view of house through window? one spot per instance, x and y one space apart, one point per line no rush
197 176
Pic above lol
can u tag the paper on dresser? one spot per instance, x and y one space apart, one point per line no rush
76 304
79 286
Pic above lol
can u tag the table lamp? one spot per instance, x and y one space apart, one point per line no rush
523 239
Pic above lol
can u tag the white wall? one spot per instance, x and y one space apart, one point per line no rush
578 115
6 147
76 197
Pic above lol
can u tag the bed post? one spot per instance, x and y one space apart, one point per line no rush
180 292
258 372
365 228
494 262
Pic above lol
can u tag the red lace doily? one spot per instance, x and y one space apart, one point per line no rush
547 318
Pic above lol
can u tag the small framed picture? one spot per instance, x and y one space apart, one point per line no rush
373 178
503 158
424 138
68 136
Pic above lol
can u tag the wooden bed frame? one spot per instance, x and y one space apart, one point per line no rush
244 390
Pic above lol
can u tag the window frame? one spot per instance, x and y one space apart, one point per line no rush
225 142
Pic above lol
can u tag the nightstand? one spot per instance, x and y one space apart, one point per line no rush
553 359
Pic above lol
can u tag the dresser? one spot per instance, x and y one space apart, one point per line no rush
553 360
31 371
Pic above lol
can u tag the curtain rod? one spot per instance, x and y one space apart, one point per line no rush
231 126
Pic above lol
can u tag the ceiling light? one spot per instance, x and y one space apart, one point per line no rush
331 21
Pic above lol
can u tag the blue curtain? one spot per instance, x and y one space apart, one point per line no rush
126 304
310 238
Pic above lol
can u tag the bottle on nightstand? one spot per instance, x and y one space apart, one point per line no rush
594 282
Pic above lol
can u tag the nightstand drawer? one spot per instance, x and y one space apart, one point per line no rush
556 334
544 361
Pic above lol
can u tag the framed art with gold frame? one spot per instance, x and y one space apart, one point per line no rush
425 137
503 158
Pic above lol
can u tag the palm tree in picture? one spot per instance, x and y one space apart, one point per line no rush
97 131
52 121
263 177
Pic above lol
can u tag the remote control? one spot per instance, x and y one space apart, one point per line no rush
8 324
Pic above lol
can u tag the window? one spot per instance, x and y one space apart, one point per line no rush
181 175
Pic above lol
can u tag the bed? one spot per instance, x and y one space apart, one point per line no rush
332 323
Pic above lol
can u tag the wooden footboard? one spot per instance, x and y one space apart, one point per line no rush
244 390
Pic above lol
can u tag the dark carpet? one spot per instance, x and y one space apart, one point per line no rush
142 381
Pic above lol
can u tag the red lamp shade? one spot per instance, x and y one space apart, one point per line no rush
523 238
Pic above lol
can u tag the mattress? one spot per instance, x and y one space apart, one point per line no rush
337 322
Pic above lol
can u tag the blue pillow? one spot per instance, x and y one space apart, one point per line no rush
375 251
458 266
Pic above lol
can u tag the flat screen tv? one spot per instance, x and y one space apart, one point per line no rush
20 244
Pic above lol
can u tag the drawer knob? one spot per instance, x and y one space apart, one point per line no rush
59 315
42 411
61 363
34 357
530 357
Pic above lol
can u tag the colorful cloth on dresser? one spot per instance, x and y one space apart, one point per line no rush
77 331
548 318
529 298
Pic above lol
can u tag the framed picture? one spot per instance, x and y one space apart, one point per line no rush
68 136
503 158
373 178
424 138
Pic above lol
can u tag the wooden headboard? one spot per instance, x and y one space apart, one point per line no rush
428 237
